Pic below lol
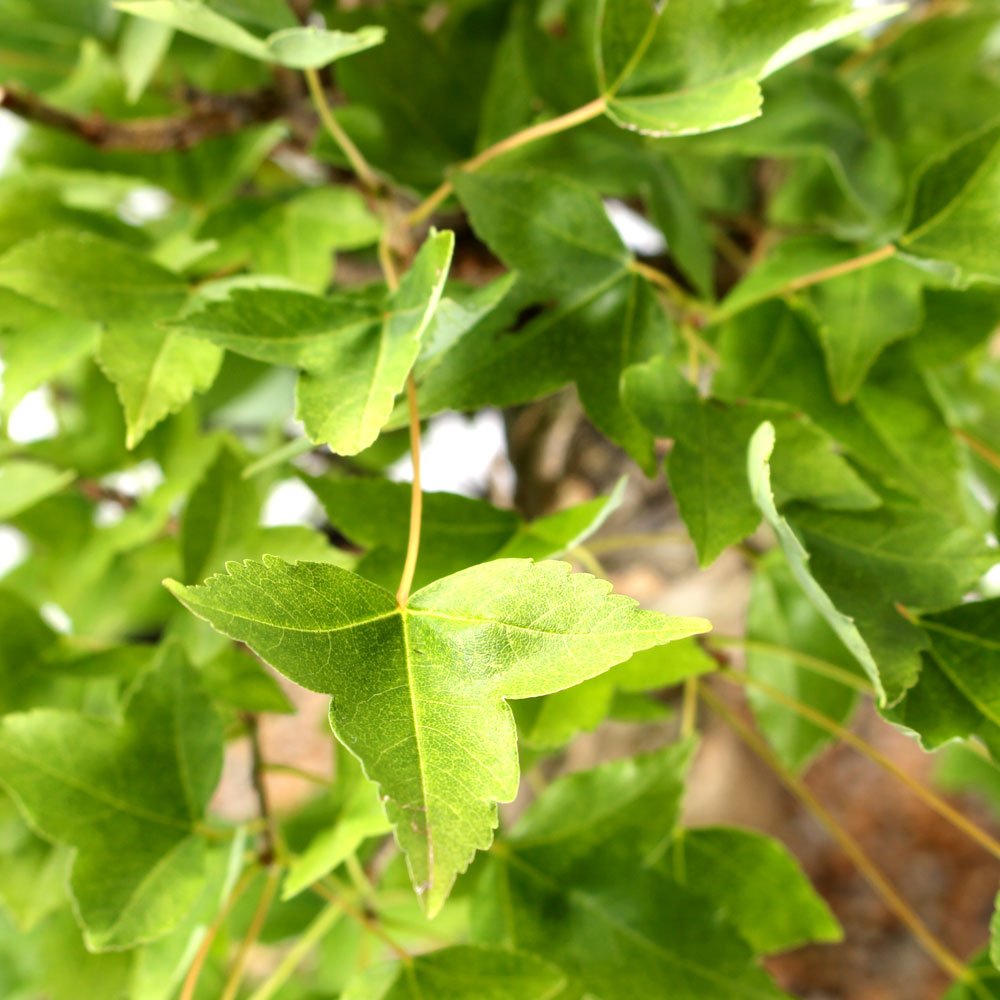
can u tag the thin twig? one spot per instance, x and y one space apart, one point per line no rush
270 837
212 115
320 926
932 799
837 270
197 963
689 708
416 497
941 954
553 126
232 986
333 892
812 663
355 157
984 451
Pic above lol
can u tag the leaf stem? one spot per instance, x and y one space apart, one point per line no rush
811 663
983 450
691 307
837 270
938 951
689 708
310 937
270 836
333 892
297 772
198 962
416 497
232 986
355 157
540 131
929 797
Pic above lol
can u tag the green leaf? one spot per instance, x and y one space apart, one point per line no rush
415 689
235 678
361 816
860 315
995 935
142 47
354 353
553 231
706 462
92 278
953 211
38 343
788 261
965 646
551 722
221 514
156 370
461 972
297 48
573 883
127 797
895 428
687 67
23 483
759 473
590 340
456 531
756 885
783 627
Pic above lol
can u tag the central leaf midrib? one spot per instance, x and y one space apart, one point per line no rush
415 715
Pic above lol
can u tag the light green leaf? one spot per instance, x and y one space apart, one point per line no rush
355 353
757 886
953 216
297 48
156 370
685 67
860 315
419 692
361 816
314 48
759 473
461 972
92 278
128 797
37 343
23 483
551 722
143 46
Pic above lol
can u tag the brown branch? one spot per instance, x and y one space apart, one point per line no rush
211 115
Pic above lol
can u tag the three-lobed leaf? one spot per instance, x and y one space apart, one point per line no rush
418 693
354 352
